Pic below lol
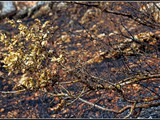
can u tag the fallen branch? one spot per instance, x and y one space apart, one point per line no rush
132 107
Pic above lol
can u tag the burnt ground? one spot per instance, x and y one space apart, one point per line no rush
86 40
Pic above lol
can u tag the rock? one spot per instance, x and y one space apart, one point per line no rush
8 8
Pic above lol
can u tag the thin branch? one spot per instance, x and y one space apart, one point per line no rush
131 110
13 92
155 104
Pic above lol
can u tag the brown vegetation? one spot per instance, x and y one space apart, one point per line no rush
87 60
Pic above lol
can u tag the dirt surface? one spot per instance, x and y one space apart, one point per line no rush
87 37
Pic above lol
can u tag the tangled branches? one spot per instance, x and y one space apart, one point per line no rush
95 60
